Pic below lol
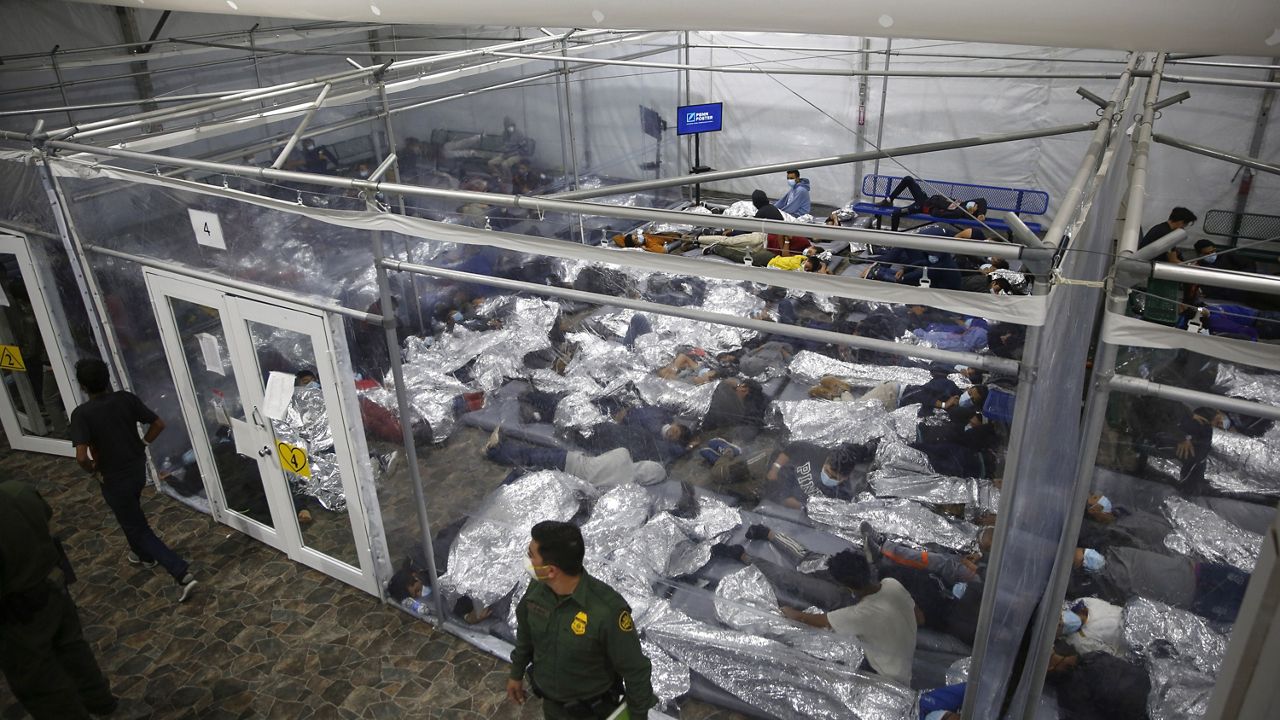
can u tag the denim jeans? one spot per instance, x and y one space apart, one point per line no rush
123 493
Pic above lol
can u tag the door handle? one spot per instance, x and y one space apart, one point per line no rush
265 451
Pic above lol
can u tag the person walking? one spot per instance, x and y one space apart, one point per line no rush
578 634
105 434
50 668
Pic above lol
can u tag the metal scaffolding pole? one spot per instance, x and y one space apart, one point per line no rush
302 127
248 97
903 53
1226 82
1094 417
1251 282
90 293
627 188
822 232
1243 160
838 72
406 423
1138 386
884 97
1075 191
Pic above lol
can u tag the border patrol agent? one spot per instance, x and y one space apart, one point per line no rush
46 660
578 634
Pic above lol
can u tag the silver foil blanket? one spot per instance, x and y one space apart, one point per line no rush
903 471
959 671
746 602
1242 464
1237 464
809 367
898 517
748 667
830 424
1202 533
1242 381
1183 655
487 558
306 425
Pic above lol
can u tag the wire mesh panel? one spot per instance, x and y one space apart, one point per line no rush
1242 226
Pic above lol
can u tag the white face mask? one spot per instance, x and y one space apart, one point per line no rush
827 479
966 400
933 259
1211 258
1226 423
985 266
666 429
313 385
532 570
790 182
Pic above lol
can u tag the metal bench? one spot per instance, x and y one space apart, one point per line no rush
1021 201
353 151
1247 229
488 142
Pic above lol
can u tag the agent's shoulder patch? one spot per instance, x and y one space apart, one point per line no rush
624 621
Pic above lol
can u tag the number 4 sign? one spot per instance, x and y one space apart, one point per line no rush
207 229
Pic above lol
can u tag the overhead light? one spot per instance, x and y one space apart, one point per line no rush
375 9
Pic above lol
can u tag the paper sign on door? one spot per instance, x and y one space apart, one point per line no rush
279 394
211 353
294 459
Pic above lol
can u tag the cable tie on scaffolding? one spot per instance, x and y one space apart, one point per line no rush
1057 278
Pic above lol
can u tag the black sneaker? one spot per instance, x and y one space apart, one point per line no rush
885 203
871 541
728 552
758 532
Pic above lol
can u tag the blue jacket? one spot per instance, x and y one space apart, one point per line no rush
796 201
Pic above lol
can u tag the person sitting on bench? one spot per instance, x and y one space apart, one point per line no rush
939 206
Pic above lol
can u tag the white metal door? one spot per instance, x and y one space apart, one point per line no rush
39 391
264 464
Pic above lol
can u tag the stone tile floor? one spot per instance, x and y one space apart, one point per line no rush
263 637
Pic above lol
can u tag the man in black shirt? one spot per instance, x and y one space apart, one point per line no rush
1179 218
765 210
803 470
105 433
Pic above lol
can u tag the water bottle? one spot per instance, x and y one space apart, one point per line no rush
415 606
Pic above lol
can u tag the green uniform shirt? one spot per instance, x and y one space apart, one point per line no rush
27 553
580 644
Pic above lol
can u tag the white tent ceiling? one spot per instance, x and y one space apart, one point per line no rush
1235 27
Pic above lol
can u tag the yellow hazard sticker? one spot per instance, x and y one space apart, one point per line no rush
294 459
624 621
11 358
579 624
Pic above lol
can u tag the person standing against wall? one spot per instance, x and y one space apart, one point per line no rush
578 634
49 666
104 431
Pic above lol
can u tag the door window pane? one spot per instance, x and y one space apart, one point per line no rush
205 347
318 495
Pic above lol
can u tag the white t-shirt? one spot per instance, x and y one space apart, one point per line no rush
1102 631
885 624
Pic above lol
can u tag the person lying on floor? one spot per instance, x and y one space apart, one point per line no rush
893 394
1237 321
1093 625
650 242
774 246
1211 590
807 263
696 366
1097 684
906 266
883 619
648 433
614 467
737 408
1106 525
802 470
950 608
